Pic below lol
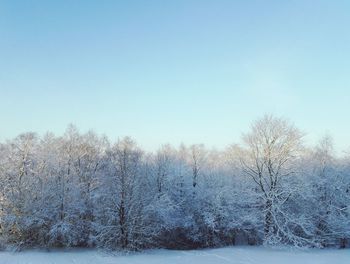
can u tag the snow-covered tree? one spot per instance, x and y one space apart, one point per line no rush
271 150
80 190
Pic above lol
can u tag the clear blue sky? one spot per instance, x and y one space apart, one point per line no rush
174 71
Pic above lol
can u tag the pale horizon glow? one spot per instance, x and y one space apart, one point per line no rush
175 71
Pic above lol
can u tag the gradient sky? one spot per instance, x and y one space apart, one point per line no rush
174 71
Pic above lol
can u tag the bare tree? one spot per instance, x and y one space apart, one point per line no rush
162 161
198 155
271 148
18 188
126 162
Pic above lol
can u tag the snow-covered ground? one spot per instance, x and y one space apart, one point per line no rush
239 255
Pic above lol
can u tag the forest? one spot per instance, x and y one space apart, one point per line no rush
82 190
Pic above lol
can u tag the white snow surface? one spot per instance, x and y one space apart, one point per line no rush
239 255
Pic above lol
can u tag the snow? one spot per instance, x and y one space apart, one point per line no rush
238 255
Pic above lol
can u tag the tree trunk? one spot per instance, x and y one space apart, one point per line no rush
269 226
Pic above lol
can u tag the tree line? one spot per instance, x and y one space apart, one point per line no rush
80 190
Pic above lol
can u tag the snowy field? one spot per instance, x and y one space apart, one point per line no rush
239 255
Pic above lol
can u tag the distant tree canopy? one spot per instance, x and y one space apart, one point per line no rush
80 190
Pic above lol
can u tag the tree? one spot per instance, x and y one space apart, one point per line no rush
19 188
329 195
123 197
162 164
197 160
271 148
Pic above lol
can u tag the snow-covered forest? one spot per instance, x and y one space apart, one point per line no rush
81 190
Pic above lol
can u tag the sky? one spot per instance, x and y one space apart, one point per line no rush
175 71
